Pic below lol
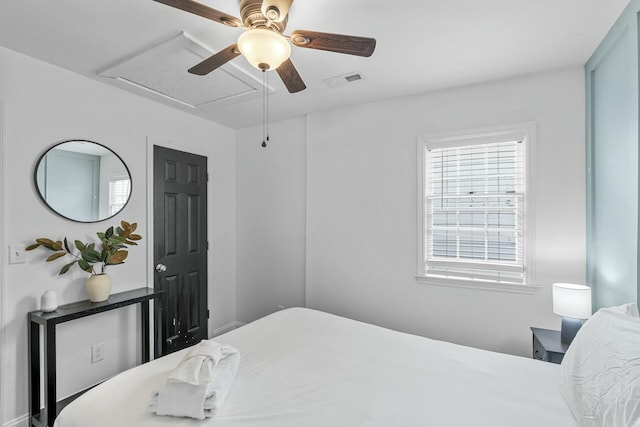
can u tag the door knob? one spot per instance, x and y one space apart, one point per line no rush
160 268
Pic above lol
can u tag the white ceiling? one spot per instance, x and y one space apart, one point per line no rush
422 45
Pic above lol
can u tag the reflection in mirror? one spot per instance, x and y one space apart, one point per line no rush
83 181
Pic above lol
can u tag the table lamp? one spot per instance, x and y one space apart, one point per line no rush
573 303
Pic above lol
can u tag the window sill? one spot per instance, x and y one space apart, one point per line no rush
478 285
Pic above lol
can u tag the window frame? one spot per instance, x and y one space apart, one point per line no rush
114 179
520 131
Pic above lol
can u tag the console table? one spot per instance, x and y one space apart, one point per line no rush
43 417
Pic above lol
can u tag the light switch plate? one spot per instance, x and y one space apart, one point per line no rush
17 254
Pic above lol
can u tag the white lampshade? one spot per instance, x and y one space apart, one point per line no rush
264 49
571 300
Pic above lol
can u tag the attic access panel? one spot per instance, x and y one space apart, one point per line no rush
162 70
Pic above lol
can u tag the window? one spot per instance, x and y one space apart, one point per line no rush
474 197
118 193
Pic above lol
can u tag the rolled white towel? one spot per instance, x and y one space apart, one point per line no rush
197 365
183 399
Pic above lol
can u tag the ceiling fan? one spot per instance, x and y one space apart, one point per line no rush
263 42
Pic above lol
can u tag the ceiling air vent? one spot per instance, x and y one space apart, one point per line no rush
353 77
344 79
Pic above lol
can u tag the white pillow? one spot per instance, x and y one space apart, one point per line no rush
600 373
630 309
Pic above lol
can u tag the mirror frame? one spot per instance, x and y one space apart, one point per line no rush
52 209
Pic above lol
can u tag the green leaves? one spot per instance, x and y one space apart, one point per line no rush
85 266
113 250
66 268
91 255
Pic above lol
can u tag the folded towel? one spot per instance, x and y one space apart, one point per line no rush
197 365
184 399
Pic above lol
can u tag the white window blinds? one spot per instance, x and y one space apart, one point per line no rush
474 211
118 194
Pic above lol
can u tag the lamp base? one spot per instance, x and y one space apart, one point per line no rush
569 329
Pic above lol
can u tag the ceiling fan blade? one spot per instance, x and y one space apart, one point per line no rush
276 10
204 11
215 61
290 77
340 43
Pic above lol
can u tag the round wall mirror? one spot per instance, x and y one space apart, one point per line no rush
83 181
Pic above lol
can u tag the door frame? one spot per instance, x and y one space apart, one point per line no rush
150 273
2 255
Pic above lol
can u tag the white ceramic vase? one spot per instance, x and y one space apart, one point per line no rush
98 287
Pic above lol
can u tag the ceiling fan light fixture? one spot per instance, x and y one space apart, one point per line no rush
275 10
273 14
264 49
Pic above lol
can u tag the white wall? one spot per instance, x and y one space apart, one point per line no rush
361 209
360 238
270 222
44 105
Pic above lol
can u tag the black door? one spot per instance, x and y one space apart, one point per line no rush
180 248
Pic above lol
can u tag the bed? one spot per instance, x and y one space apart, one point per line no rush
306 368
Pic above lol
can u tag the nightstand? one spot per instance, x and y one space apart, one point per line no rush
547 346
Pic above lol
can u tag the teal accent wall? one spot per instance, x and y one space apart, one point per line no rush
612 163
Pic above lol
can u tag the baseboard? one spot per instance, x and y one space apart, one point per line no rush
226 328
22 421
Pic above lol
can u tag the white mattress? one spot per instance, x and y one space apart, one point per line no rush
305 368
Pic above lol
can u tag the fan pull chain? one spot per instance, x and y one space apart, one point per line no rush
267 89
265 108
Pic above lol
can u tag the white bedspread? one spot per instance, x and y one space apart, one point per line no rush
305 368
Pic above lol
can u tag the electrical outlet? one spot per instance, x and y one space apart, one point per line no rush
281 307
97 352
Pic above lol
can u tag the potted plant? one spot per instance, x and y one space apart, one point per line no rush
88 257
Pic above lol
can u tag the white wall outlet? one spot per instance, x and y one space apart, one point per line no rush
97 352
17 253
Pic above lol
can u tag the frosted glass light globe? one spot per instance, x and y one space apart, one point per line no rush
264 49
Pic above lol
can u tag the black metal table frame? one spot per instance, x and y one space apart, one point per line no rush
42 417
